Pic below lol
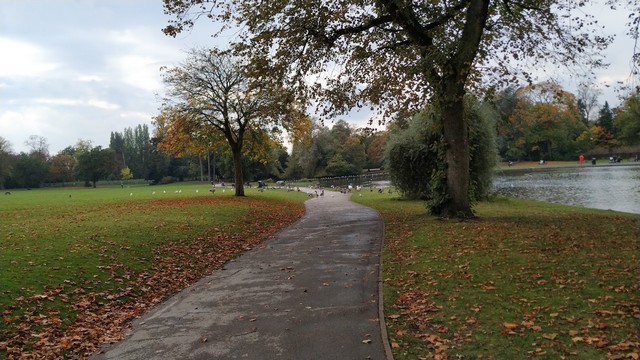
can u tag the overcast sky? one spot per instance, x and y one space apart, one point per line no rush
80 69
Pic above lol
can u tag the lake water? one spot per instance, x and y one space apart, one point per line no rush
615 187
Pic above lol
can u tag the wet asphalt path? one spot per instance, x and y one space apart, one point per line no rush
311 293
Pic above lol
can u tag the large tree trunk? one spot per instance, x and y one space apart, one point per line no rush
456 136
455 129
237 171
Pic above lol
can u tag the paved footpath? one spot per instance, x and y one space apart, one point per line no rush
311 293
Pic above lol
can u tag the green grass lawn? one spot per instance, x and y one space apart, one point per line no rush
524 280
77 263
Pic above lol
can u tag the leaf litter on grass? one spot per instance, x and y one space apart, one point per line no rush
34 327
519 286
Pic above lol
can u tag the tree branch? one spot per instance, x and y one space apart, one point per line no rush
330 39
450 14
371 23
403 15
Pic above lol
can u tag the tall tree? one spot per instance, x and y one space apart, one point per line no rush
178 135
39 146
116 143
605 118
96 164
628 120
133 148
5 160
143 150
412 154
128 146
399 55
545 123
348 153
310 157
505 103
63 167
160 162
373 142
211 92
82 146
587 96
29 170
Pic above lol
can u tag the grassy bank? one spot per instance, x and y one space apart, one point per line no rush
525 280
77 263
534 165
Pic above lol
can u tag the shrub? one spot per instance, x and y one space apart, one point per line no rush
415 156
167 180
411 157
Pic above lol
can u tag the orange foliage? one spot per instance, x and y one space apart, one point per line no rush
181 135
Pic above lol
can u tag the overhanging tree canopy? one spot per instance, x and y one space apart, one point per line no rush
398 55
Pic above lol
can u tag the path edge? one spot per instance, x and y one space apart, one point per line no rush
382 322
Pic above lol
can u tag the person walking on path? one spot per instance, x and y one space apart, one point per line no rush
311 293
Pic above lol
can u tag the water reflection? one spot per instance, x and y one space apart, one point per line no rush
601 187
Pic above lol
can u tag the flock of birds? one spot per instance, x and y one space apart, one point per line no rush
179 191
313 194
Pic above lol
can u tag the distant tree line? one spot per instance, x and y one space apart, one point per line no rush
540 121
545 122
337 151
135 154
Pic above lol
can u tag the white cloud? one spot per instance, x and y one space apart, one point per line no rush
17 126
127 36
100 104
20 58
58 125
90 78
26 122
138 53
57 102
139 71
96 73
136 115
